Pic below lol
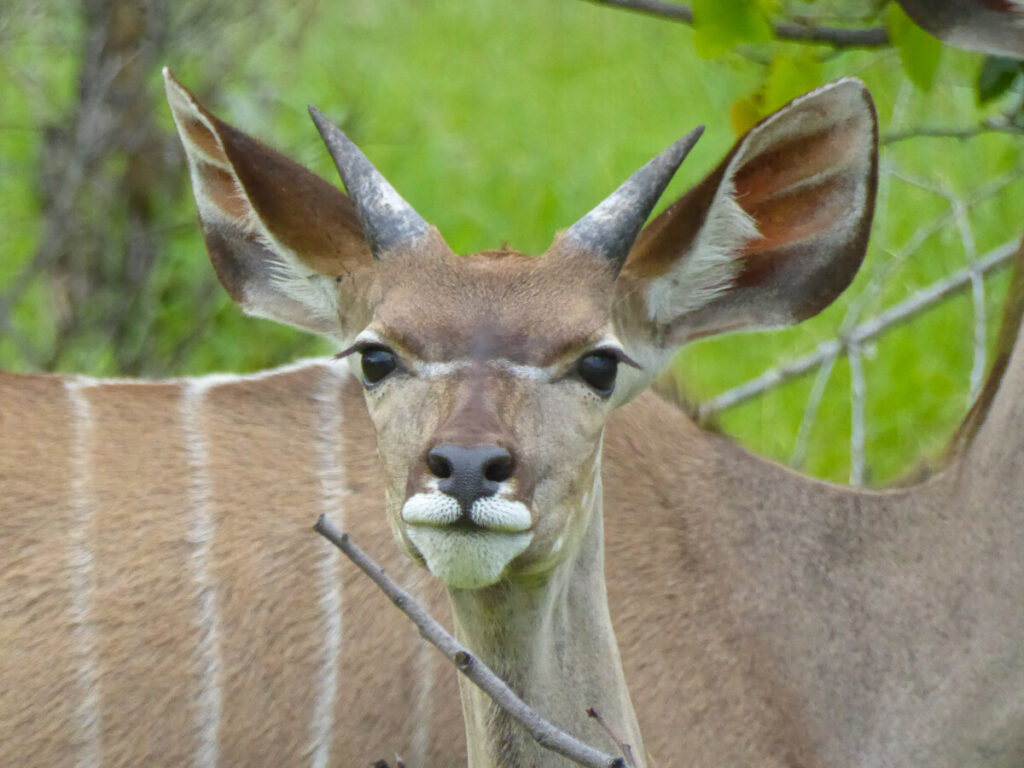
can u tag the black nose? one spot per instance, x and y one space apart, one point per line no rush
470 473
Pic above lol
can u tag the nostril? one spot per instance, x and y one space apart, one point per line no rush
499 468
439 465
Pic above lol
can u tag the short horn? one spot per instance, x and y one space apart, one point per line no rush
612 227
389 222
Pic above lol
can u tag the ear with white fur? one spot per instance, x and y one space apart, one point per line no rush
286 244
771 237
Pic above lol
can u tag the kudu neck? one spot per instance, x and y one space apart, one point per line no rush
552 641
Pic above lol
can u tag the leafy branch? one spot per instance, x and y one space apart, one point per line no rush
873 37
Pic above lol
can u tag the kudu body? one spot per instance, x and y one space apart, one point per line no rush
164 602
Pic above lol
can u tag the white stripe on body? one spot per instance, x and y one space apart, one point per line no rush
210 380
332 488
89 714
200 536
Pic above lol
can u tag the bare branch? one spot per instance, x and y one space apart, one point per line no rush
874 37
799 454
952 133
895 315
624 748
977 299
543 732
858 467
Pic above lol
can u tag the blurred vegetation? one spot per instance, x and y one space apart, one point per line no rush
501 123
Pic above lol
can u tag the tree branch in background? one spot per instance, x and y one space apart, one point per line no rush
873 37
108 180
988 126
898 314
543 732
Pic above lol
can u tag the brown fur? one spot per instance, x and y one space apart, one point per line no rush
773 628
765 619
35 508
448 306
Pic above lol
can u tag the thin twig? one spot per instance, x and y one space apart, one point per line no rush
543 732
895 315
950 133
624 748
874 37
799 454
977 300
857 394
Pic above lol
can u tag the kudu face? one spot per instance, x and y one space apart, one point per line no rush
489 377
489 420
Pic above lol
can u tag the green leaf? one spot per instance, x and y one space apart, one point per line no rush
745 113
919 51
722 24
996 76
789 76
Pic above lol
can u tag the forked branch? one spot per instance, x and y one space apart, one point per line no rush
543 732
867 331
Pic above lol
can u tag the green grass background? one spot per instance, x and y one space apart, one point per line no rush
503 122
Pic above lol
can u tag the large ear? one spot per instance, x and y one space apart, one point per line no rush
286 244
771 237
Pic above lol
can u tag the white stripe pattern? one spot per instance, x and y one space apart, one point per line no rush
89 713
332 489
200 535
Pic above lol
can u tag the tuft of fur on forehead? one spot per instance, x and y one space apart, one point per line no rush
525 309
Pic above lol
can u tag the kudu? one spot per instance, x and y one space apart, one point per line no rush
164 602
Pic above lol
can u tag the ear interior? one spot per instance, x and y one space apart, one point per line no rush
776 232
280 237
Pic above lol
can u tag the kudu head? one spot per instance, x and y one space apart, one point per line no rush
489 377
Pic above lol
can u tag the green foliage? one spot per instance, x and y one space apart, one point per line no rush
503 123
790 74
996 77
721 24
919 51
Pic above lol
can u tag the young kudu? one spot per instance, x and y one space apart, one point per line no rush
165 603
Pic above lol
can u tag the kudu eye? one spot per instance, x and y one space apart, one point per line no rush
377 362
598 370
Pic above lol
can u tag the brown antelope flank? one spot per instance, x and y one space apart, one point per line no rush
165 602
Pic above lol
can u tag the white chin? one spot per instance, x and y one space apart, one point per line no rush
467 559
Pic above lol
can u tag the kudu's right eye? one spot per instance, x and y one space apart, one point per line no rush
598 370
377 363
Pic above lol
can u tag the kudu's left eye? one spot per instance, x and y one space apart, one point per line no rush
598 370
377 362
